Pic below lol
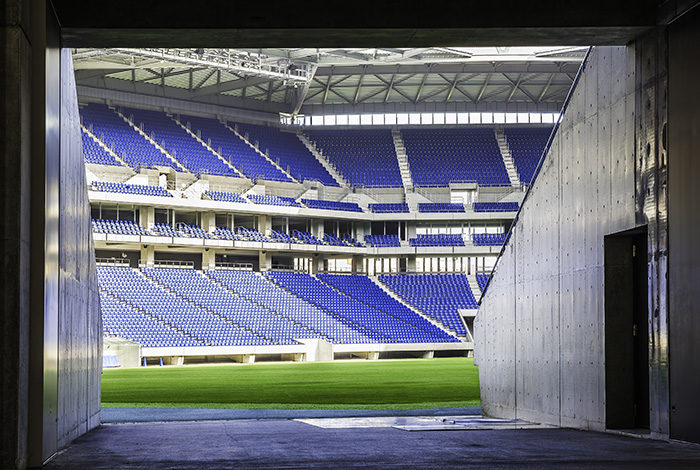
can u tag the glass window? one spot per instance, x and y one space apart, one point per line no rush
426 118
402 119
439 118
329 120
487 118
365 119
535 118
390 119
511 118
414 118
316 120
342 120
463 118
354 119
377 119
450 118
499 118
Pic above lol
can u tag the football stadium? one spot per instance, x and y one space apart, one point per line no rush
271 238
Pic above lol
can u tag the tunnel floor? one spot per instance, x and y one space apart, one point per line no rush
409 442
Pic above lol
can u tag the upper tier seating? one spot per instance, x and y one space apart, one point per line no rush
372 322
346 237
165 230
120 227
253 235
382 241
489 239
440 207
496 207
306 237
281 237
331 205
437 240
124 188
389 208
362 289
437 295
226 233
335 241
193 231
438 157
283 303
124 140
133 288
191 153
288 152
526 146
273 200
95 153
234 149
225 196
357 154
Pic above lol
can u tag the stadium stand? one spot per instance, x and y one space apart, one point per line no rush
371 321
362 289
437 240
95 153
226 233
437 295
179 144
134 289
273 200
282 237
234 149
123 188
495 206
253 235
288 152
346 237
306 237
438 157
440 207
526 147
357 154
382 241
120 227
331 205
118 135
225 196
489 239
389 208
482 280
165 230
260 290
335 241
193 231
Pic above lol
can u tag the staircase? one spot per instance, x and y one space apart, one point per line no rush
156 144
205 144
404 167
322 160
507 158
260 152
474 286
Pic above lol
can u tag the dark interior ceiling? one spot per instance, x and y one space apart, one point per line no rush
361 23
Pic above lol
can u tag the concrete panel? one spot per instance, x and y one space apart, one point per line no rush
588 186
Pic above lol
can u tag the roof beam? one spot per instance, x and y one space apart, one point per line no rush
359 85
483 87
570 68
420 89
546 87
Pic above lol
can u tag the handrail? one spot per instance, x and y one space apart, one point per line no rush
234 266
538 168
112 261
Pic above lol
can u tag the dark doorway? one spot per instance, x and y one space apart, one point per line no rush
626 331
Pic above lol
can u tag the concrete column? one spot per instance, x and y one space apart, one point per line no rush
410 230
265 224
147 216
148 255
317 228
411 263
208 259
318 263
265 260
209 221
358 263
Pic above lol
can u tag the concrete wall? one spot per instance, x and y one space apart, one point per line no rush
49 320
540 327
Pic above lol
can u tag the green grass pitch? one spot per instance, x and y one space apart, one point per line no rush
385 384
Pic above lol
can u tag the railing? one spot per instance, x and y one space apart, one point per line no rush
163 263
234 266
123 262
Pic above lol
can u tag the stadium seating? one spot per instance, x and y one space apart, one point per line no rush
124 188
331 205
165 230
489 239
437 240
124 140
193 231
273 200
482 280
335 241
288 152
178 143
282 237
357 154
437 295
306 237
383 241
372 322
526 146
389 208
261 291
225 196
362 289
226 233
120 227
234 149
96 154
495 207
347 238
440 207
438 157
253 235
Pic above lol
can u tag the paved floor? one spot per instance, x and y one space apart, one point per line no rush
378 443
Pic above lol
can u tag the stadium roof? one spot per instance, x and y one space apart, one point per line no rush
337 80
